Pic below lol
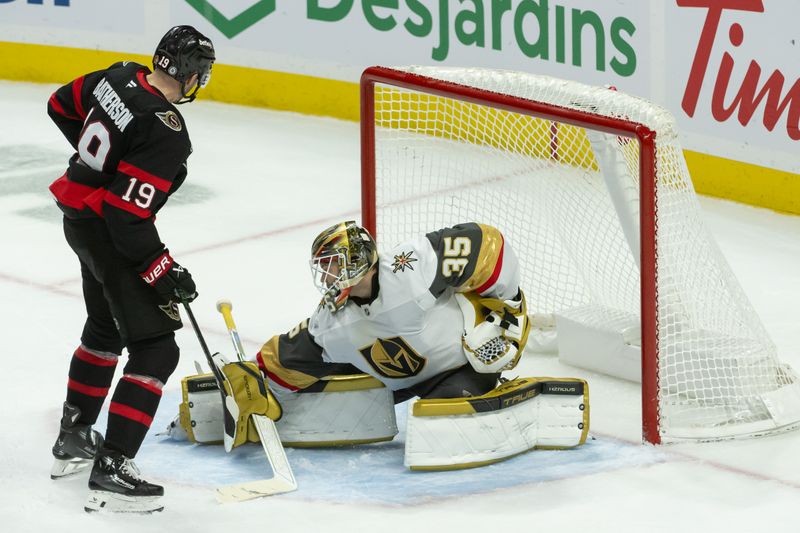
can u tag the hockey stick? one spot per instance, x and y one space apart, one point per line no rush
228 418
282 479
284 482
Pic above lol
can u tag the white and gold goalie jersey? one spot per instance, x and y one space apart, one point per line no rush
411 331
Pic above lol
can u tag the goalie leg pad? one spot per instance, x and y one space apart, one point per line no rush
517 416
350 410
200 413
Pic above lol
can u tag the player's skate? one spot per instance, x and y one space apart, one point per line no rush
115 485
76 445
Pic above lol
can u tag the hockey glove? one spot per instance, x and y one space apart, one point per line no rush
495 331
245 385
168 278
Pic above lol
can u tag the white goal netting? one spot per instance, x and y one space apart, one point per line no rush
567 199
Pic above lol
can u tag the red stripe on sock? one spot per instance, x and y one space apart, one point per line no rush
92 359
142 384
88 390
130 413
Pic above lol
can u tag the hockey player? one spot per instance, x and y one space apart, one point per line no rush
131 149
438 317
397 317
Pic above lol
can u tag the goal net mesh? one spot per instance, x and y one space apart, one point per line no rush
573 220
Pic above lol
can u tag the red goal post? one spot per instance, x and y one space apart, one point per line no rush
412 107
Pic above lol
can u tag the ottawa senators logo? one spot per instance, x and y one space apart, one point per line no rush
393 358
171 310
170 120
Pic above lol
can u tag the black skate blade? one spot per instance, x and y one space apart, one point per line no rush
63 468
111 502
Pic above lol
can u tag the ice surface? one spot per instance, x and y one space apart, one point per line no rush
261 184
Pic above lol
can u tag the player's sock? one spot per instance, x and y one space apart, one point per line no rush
116 485
76 445
131 412
90 376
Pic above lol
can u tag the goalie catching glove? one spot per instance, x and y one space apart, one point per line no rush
246 394
495 331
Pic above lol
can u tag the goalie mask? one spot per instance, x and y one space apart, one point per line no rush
340 258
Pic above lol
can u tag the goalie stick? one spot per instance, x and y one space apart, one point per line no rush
283 478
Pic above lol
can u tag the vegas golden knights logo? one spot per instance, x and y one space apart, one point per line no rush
393 358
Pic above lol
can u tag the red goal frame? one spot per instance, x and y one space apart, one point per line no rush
585 119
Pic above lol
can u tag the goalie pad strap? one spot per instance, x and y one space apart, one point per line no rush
506 395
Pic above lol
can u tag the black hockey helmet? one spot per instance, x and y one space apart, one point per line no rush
184 51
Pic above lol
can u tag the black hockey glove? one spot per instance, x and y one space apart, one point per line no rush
168 278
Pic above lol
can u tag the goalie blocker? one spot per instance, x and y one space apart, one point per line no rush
442 434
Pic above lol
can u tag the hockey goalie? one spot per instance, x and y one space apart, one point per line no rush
437 318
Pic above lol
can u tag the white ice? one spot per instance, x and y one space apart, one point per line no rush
261 185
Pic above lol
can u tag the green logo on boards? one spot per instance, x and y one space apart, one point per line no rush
234 26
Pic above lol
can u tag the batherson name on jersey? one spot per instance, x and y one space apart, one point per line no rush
112 104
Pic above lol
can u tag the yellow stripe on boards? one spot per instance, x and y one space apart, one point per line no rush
455 120
712 176
284 92
56 64
744 182
230 84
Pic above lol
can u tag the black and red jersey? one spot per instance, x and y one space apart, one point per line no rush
131 148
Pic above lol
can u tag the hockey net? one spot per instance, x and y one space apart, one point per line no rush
591 189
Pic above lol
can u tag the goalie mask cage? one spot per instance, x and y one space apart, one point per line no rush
590 187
